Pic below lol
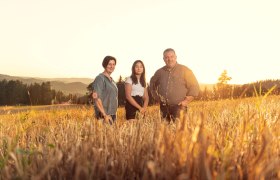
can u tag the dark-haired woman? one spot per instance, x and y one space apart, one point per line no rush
136 93
105 92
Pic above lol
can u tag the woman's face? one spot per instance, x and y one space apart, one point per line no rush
138 68
110 67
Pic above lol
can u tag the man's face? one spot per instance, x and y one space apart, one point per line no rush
170 59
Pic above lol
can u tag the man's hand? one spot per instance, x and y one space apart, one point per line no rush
186 101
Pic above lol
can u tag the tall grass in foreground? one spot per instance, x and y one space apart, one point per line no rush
228 139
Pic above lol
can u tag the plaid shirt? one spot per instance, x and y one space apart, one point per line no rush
172 86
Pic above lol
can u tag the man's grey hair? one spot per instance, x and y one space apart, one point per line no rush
168 50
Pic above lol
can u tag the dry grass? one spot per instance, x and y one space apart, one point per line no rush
229 139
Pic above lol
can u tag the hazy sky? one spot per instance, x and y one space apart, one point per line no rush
70 38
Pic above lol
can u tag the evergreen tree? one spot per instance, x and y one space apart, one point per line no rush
121 91
223 88
46 93
3 96
35 93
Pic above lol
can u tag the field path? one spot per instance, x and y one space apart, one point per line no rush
13 109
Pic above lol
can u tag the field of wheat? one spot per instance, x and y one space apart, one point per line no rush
226 139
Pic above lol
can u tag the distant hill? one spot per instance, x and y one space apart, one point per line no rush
25 80
70 88
69 80
66 85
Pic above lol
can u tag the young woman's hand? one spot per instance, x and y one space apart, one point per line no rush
108 119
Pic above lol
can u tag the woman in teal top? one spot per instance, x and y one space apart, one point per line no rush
105 93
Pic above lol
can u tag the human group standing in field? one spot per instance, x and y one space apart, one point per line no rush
173 86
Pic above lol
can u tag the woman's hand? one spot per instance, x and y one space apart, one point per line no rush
143 110
108 119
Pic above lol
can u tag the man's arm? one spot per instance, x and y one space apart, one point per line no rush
154 86
192 84
146 98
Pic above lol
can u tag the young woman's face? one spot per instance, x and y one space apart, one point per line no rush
110 67
138 68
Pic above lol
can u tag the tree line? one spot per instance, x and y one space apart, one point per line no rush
16 93
224 90
221 90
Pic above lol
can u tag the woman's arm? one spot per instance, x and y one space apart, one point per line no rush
128 89
98 104
100 107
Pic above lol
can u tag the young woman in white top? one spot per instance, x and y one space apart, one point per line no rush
136 92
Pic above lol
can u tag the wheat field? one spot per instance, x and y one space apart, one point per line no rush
226 139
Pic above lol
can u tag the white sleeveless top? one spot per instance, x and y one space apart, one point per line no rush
137 89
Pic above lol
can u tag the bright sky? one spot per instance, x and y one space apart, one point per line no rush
70 38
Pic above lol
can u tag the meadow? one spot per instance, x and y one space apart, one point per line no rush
225 139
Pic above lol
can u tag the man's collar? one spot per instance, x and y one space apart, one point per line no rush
170 69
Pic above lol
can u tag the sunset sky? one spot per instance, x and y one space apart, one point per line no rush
70 38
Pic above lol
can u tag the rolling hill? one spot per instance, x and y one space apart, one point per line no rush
66 85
